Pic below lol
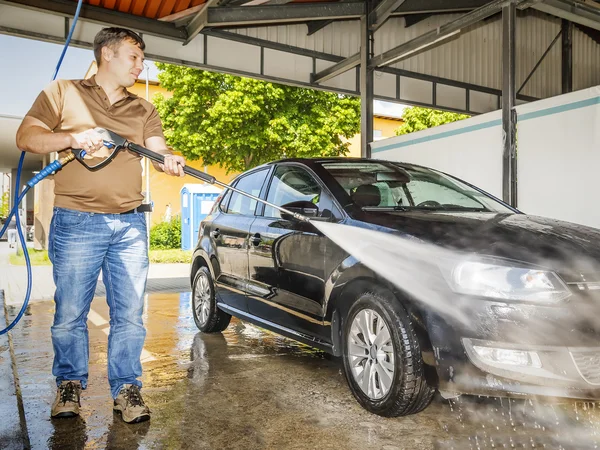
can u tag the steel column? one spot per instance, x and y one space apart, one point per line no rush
567 56
366 84
509 115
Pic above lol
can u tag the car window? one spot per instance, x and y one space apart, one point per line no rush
426 191
377 184
241 204
225 201
292 184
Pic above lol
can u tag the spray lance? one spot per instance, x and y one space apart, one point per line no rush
116 143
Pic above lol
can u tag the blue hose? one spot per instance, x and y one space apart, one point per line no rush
19 198
15 212
68 41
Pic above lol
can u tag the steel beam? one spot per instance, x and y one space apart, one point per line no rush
265 2
199 21
382 12
105 16
527 4
345 10
509 115
567 56
428 40
301 12
316 25
571 10
366 85
438 6
337 69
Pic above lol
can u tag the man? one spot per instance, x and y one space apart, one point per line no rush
98 223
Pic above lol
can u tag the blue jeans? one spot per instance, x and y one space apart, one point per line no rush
80 245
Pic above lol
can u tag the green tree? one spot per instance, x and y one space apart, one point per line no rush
239 123
4 205
417 118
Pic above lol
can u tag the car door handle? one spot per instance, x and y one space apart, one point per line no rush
256 239
215 234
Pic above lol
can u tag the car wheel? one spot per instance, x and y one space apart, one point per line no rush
382 358
208 317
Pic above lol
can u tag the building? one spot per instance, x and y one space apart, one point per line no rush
384 126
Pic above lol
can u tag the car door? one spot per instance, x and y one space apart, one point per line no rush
287 258
230 235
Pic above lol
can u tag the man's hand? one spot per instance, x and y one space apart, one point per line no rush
173 165
88 140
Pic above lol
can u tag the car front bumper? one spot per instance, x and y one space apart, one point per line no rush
520 349
496 368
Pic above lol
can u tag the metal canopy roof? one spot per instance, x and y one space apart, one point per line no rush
442 53
469 56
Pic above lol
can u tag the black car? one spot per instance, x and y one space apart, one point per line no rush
529 287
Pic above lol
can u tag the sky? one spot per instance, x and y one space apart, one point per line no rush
28 66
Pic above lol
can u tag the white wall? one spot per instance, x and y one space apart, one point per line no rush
470 149
559 157
558 154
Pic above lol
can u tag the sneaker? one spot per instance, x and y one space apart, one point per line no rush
130 404
67 401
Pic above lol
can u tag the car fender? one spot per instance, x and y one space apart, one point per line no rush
352 276
205 256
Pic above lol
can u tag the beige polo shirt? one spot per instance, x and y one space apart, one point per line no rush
77 105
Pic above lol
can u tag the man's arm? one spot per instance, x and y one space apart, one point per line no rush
173 165
34 136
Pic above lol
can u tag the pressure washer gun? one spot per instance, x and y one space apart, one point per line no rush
116 143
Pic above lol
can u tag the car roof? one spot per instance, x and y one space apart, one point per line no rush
312 161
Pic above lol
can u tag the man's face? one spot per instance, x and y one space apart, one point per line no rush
126 63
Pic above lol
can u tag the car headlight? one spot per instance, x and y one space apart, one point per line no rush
506 282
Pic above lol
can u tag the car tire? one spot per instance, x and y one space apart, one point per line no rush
208 317
396 385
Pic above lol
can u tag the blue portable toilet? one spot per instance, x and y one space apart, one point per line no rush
196 202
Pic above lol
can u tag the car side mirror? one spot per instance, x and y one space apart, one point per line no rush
304 207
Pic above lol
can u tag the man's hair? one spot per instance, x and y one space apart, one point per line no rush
112 38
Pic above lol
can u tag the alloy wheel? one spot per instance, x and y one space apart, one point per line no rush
371 354
202 297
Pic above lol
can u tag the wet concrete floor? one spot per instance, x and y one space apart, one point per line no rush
250 389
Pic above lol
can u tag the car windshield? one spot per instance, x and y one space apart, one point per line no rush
379 185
